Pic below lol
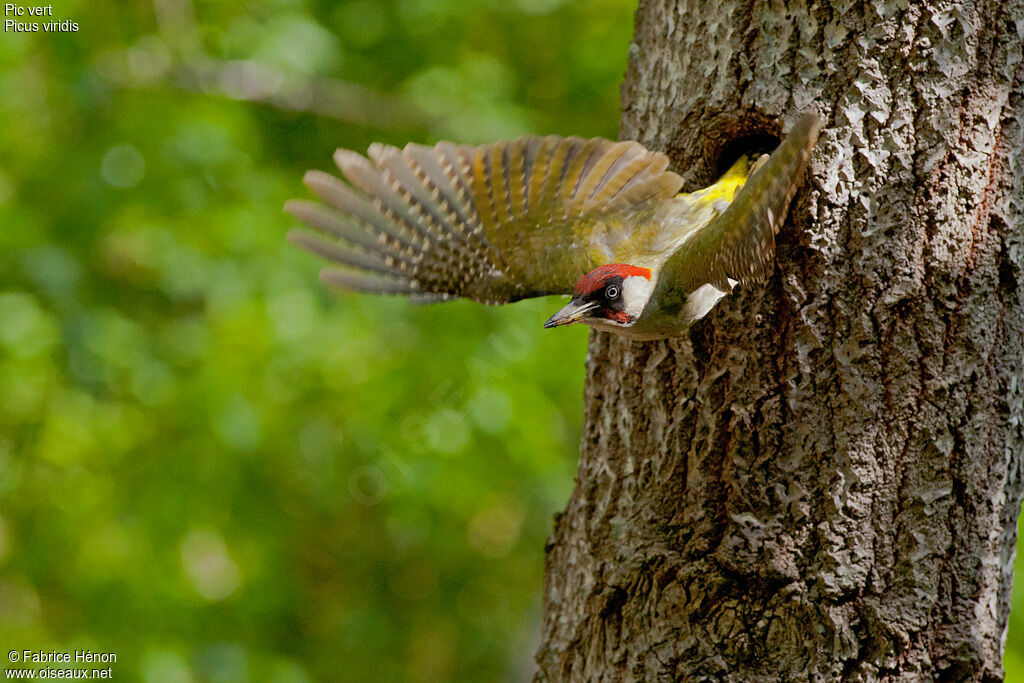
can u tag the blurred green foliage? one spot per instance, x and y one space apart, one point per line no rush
209 464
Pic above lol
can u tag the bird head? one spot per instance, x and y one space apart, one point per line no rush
611 296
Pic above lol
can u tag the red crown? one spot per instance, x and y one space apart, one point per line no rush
595 279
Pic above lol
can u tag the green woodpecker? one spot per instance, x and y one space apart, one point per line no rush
600 220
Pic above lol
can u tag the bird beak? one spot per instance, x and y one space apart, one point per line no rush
572 312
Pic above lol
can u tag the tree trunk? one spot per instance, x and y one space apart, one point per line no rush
822 481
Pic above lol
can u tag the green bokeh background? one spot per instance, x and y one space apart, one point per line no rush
212 466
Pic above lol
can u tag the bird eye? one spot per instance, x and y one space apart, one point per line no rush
611 292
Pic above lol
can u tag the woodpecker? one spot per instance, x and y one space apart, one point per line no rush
601 221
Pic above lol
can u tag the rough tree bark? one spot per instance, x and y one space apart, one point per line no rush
822 481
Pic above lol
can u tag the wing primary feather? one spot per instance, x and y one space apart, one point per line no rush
432 298
402 199
540 171
448 158
596 174
456 163
465 219
483 187
530 152
414 182
410 188
343 197
641 172
349 229
622 172
617 157
573 175
458 212
555 171
327 220
418 181
499 184
338 254
659 187
365 176
515 172
366 283
459 166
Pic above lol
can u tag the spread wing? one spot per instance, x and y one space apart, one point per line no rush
740 243
494 223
